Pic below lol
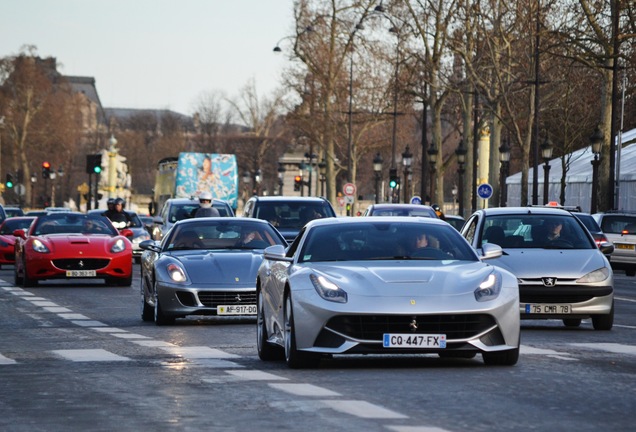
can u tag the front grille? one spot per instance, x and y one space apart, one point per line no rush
215 298
81 264
372 327
560 293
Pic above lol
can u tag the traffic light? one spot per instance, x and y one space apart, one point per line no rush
298 182
94 164
46 170
9 182
393 178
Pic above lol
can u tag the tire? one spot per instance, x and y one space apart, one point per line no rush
266 351
295 359
572 322
501 358
160 318
147 311
17 279
27 282
604 322
630 271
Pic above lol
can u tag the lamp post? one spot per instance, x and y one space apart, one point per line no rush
34 179
322 168
257 181
407 159
461 160
281 178
504 158
432 158
597 141
546 154
377 169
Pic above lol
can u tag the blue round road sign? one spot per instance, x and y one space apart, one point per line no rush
416 200
484 191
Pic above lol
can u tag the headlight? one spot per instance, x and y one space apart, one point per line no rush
140 238
489 289
119 246
596 276
176 273
327 289
38 246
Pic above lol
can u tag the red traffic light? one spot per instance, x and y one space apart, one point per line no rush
46 165
298 179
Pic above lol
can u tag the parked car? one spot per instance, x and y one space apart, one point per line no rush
13 211
394 209
204 266
7 237
620 229
69 245
137 229
564 276
360 286
288 214
176 209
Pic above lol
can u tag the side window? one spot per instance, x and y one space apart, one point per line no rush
470 229
248 208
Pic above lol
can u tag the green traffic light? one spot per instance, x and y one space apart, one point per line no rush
97 169
392 184
9 185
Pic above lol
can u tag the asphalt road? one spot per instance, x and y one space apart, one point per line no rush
78 357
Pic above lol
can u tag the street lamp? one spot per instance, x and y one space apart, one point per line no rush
407 159
281 178
34 179
597 141
322 169
377 169
546 154
504 158
461 160
432 158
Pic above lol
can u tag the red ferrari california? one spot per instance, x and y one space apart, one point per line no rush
7 239
72 246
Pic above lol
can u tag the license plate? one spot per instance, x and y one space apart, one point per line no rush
397 340
81 273
624 246
236 310
548 309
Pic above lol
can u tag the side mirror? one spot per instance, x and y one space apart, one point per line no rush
490 251
20 233
276 253
126 232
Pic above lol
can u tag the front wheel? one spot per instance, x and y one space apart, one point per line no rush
17 279
266 351
160 317
604 322
147 311
27 282
295 359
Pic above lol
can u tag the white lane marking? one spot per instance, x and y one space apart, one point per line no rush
58 309
625 299
362 409
6 361
526 349
129 336
609 347
625 326
194 352
214 363
10 288
304 390
109 330
153 343
88 355
43 303
255 375
89 323
416 429
73 316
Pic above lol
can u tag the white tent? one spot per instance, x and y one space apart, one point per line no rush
578 178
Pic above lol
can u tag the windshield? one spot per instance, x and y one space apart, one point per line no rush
73 223
292 215
13 224
385 241
541 231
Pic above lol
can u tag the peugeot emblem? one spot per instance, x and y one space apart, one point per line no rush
549 281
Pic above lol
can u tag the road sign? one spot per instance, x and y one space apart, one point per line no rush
416 200
341 201
348 199
349 189
484 191
20 189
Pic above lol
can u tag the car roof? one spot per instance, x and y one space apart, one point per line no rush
539 210
283 198
400 205
376 219
229 219
193 201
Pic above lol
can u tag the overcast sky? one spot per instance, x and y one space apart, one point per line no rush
160 54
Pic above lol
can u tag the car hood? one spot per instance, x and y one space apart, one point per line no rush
220 268
533 263
400 279
71 243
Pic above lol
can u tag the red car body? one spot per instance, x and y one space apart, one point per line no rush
72 246
7 239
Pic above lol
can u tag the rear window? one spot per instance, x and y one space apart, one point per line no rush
292 215
615 224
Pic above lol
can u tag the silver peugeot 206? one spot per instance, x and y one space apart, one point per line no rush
562 272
